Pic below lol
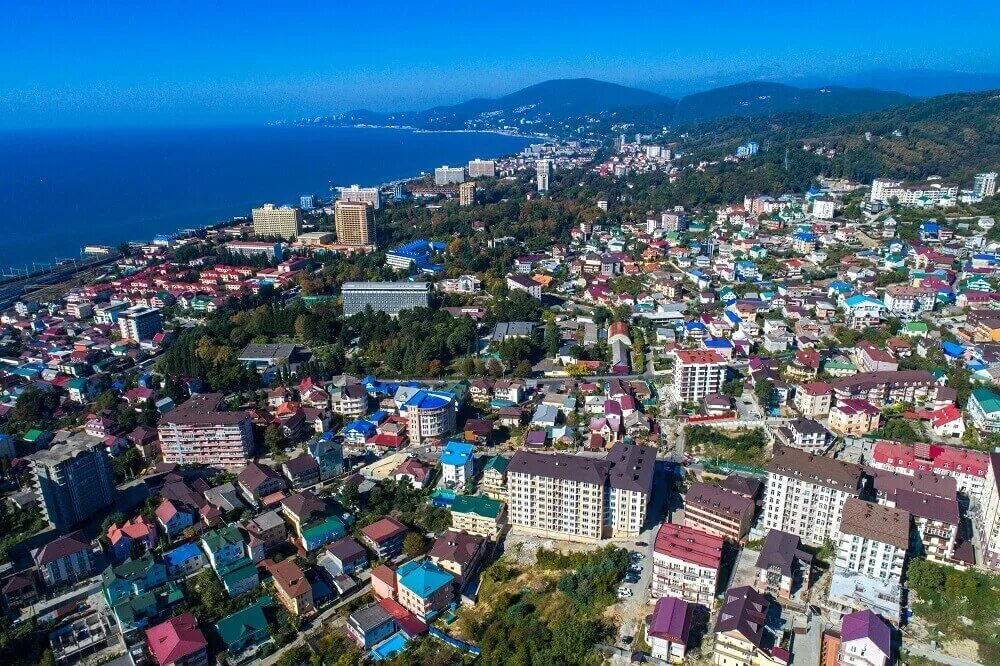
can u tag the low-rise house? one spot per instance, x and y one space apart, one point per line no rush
783 566
267 531
457 463
806 434
135 534
385 537
865 640
668 629
854 416
494 481
302 471
292 587
178 642
477 514
244 632
412 470
257 481
185 560
312 520
370 625
458 552
347 555
174 517
742 634
223 546
65 559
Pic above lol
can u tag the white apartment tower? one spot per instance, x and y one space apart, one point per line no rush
698 373
984 185
543 171
873 540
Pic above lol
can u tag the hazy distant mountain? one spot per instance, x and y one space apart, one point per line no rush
762 98
547 102
563 106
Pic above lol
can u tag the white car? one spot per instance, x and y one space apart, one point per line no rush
636 556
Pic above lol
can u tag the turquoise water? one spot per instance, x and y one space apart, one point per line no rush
389 647
62 189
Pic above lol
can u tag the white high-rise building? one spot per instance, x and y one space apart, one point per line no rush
482 168
988 515
543 171
446 175
698 373
806 494
984 185
873 539
139 323
368 195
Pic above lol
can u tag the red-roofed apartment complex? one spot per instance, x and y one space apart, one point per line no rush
685 564
968 468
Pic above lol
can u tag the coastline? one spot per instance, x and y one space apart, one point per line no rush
49 261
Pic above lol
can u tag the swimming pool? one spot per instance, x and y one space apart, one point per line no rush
390 647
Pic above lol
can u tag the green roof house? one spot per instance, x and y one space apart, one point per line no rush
245 631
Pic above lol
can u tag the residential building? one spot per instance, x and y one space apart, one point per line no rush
887 387
686 564
139 323
904 300
446 175
742 634
245 631
389 297
806 434
278 221
385 537
865 640
873 539
812 399
457 463
482 168
65 559
581 499
223 546
697 374
467 194
268 250
348 555
257 481
424 588
328 452
854 416
478 515
430 415
293 588
370 625
987 515
494 481
783 566
199 432
967 467
354 222
806 494
543 172
668 629
524 283
366 195
178 642
718 511
984 409
458 552
73 480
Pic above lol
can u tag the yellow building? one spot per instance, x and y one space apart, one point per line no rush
280 221
354 223
741 638
467 194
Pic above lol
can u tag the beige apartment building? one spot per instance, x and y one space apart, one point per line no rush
467 194
570 497
281 221
354 223
199 432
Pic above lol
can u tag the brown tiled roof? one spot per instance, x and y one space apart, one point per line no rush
796 463
455 546
290 578
877 522
202 409
718 500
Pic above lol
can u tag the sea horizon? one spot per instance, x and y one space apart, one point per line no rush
64 188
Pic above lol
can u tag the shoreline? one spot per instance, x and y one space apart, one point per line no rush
47 265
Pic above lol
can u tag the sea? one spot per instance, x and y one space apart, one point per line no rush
63 189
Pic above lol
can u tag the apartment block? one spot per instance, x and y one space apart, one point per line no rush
200 432
686 564
280 221
718 511
367 195
389 297
968 468
806 494
888 387
140 323
698 373
482 168
873 539
581 499
987 515
73 479
854 416
354 222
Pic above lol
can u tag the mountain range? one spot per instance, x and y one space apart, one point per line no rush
558 105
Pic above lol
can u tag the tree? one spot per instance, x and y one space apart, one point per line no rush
551 339
273 439
413 544
763 391
523 369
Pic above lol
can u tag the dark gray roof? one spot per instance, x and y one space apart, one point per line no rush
796 463
719 500
369 617
559 466
632 467
781 549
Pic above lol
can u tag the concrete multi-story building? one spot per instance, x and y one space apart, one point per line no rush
806 434
984 408
742 636
987 515
368 195
200 432
269 251
279 221
389 297
581 499
806 494
686 564
446 175
907 300
467 194
718 511
139 323
543 172
812 399
73 480
888 387
854 416
354 222
874 539
698 373
923 195
430 415
482 168
967 467
984 185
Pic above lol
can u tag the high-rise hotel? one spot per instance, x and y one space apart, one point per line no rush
280 221
354 223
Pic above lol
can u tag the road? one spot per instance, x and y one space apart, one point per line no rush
928 652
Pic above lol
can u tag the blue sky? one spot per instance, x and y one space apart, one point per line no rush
72 63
